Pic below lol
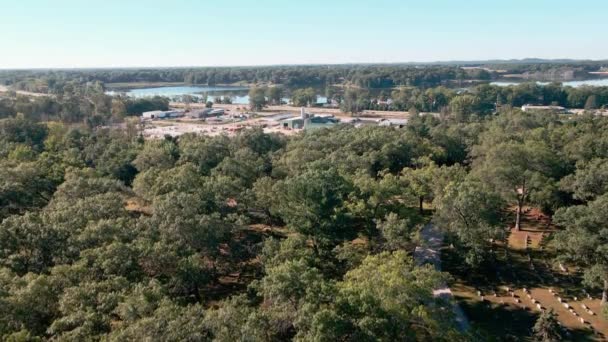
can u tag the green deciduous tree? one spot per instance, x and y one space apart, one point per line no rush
395 232
238 320
462 106
589 181
584 240
304 97
519 170
21 130
313 204
354 101
159 154
546 328
472 213
257 98
420 182
386 298
275 94
168 322
290 284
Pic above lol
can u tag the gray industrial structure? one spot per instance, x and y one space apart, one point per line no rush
205 113
309 121
162 114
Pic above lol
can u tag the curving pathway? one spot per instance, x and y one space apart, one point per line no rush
429 253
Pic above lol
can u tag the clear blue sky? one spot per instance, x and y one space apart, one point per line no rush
112 33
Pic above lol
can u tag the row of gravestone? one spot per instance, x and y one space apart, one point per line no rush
539 306
575 314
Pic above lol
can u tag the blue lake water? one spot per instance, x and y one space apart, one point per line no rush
575 84
238 95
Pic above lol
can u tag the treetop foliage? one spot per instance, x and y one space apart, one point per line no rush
106 236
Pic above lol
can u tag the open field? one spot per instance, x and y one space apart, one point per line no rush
175 127
314 110
159 128
4 89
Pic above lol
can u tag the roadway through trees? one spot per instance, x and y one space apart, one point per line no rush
430 253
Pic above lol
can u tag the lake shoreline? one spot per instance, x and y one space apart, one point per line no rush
127 86
591 82
118 86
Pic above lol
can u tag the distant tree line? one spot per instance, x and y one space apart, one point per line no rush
77 103
480 99
369 76
359 75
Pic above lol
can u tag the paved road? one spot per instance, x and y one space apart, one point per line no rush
429 253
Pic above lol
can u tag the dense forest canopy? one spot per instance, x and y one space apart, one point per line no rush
264 237
105 235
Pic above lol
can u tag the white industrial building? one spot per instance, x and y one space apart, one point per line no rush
532 108
393 122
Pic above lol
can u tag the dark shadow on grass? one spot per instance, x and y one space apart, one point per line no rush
512 268
497 322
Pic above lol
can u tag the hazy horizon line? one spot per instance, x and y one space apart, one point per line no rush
413 63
